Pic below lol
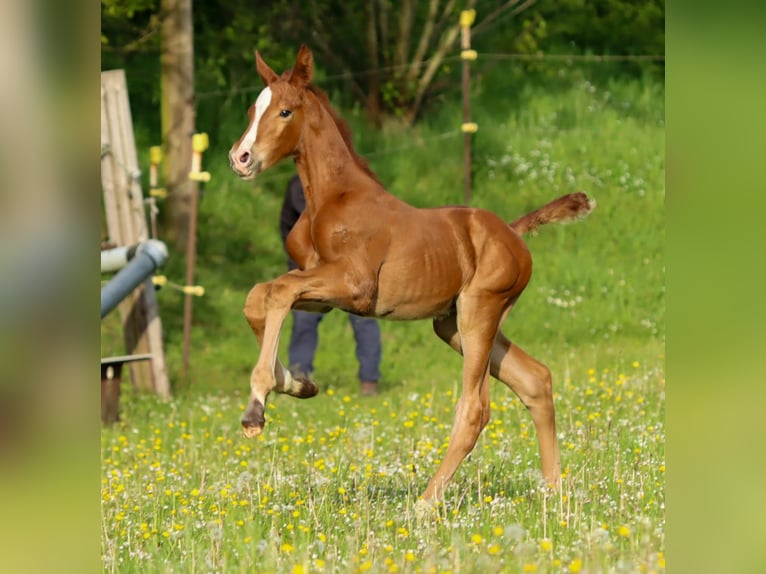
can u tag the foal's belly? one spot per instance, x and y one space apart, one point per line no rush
414 293
409 311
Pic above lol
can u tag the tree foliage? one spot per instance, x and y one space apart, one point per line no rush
387 57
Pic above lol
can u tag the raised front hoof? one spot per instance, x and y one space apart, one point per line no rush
249 431
304 388
253 420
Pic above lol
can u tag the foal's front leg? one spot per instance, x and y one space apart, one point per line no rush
269 373
267 307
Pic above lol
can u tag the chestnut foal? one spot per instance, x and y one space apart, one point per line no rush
365 251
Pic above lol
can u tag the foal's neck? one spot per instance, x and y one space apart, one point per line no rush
326 165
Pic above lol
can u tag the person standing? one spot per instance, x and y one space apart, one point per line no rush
304 337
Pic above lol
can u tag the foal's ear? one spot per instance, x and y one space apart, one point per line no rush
303 71
267 74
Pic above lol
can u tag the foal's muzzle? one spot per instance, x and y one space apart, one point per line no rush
243 164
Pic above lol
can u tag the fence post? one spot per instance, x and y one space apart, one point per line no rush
467 18
200 143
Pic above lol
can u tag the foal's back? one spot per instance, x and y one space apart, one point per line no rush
432 255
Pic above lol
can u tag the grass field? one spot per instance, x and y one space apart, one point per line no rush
330 485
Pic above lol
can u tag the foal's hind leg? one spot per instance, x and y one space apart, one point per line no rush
283 381
529 379
477 325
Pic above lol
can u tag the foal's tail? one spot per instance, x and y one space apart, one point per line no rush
571 207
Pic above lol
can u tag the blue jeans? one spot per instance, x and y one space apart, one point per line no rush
305 338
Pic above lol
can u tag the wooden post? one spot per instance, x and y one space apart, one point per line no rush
191 256
178 116
111 378
126 225
200 143
466 20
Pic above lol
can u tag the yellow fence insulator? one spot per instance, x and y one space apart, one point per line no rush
162 280
197 290
467 17
200 142
199 175
155 154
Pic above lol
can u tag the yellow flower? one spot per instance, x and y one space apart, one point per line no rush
287 548
497 531
477 538
546 545
530 567
299 569
493 549
575 565
366 565
624 531
409 556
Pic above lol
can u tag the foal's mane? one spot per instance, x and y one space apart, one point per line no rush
344 129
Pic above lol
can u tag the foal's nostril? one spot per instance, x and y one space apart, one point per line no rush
245 157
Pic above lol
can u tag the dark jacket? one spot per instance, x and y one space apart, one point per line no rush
292 207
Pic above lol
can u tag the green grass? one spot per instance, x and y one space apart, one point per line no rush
330 485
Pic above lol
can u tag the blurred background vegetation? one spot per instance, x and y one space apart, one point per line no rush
568 96
370 55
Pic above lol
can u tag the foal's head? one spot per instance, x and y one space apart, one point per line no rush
276 117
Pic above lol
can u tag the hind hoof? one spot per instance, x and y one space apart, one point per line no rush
305 388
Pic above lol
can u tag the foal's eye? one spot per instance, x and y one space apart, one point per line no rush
285 113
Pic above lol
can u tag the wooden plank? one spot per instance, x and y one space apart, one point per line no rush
111 82
125 358
108 169
123 201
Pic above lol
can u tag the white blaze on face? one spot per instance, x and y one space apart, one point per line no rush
261 103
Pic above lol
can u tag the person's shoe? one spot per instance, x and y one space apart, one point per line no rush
369 388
